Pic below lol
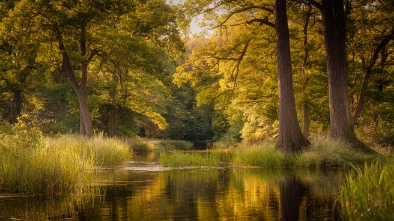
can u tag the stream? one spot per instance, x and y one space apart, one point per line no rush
143 190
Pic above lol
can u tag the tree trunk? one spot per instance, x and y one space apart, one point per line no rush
112 115
290 138
380 48
79 88
85 121
339 100
16 106
305 101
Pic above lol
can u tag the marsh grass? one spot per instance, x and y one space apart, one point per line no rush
322 154
48 170
367 192
264 155
31 164
178 158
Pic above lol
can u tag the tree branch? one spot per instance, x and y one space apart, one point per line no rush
315 3
240 10
261 21
368 74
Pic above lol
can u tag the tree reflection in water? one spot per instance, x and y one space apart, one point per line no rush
199 194
291 193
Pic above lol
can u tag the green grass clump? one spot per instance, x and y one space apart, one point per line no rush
262 155
103 151
139 145
32 164
368 192
48 170
181 159
322 153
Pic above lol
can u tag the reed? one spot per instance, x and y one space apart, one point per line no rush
183 159
367 192
263 155
322 153
48 170
31 164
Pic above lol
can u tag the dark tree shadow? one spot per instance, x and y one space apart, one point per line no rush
291 193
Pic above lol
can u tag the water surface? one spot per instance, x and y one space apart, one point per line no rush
144 190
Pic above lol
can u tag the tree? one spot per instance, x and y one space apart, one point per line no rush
290 137
18 55
334 24
119 37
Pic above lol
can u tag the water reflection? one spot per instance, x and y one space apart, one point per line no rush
196 194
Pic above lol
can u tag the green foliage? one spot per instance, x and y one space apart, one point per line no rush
175 144
19 138
367 192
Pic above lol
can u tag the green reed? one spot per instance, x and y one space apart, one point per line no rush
322 153
181 159
31 164
367 192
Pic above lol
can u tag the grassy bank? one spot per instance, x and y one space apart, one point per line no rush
199 159
32 164
321 154
367 192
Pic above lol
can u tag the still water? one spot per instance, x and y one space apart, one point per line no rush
143 190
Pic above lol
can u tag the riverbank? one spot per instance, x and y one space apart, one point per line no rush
322 154
366 190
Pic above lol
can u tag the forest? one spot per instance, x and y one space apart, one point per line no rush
260 70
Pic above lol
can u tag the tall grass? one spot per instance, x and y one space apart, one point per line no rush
265 155
31 164
322 153
181 159
103 151
368 192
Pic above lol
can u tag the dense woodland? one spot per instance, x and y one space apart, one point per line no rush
262 70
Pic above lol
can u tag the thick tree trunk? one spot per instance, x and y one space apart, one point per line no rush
339 100
290 138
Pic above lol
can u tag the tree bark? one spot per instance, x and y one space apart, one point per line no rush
16 107
339 100
305 101
112 115
290 138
